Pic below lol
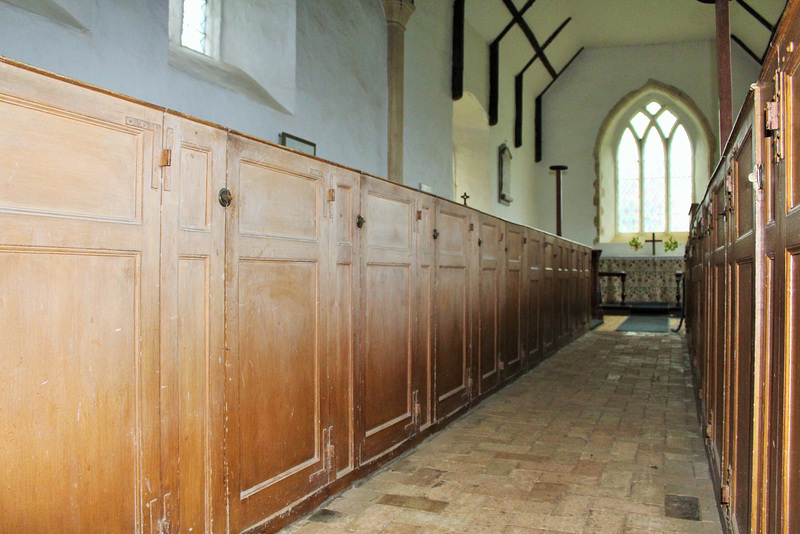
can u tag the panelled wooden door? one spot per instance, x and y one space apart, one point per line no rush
534 268
343 202
742 267
424 315
276 286
192 325
387 377
79 273
549 295
488 363
513 352
453 306
720 346
788 211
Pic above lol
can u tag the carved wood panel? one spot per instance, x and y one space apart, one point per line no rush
79 271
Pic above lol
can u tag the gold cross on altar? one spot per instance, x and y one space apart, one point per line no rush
653 241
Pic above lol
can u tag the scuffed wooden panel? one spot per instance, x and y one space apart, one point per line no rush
451 307
278 380
68 404
387 338
196 175
388 222
57 162
277 203
193 357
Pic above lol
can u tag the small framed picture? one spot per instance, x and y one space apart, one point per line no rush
296 143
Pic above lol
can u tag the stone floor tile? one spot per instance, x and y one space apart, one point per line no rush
589 442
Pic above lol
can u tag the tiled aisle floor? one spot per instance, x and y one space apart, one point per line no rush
594 440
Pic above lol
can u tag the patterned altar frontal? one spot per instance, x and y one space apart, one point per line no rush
649 279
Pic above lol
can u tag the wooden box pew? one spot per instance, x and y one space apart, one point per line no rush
218 333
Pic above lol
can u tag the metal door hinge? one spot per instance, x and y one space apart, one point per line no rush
725 494
331 195
166 158
469 385
501 365
774 117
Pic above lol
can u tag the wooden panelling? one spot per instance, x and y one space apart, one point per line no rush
343 208
513 353
79 278
741 301
275 286
534 267
192 323
388 376
454 330
549 308
490 278
179 365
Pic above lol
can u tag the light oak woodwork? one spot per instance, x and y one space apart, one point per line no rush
79 278
176 365
276 285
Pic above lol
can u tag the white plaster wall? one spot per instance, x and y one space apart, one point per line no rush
476 81
341 100
428 129
576 105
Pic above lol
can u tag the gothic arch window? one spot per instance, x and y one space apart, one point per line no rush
653 158
654 164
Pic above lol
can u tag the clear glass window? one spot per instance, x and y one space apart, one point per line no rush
194 29
655 162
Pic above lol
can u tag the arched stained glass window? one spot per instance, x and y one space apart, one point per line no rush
654 172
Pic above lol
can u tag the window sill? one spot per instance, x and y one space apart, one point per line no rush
680 237
222 74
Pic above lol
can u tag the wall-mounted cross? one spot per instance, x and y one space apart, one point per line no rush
465 196
653 241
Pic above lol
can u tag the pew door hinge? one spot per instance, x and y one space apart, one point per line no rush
160 515
328 211
469 386
775 116
165 158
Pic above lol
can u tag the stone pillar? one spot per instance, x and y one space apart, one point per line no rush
397 14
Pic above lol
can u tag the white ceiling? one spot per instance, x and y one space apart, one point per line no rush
604 23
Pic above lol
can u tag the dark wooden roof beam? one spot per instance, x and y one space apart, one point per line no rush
764 22
545 45
746 48
529 34
519 85
516 18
